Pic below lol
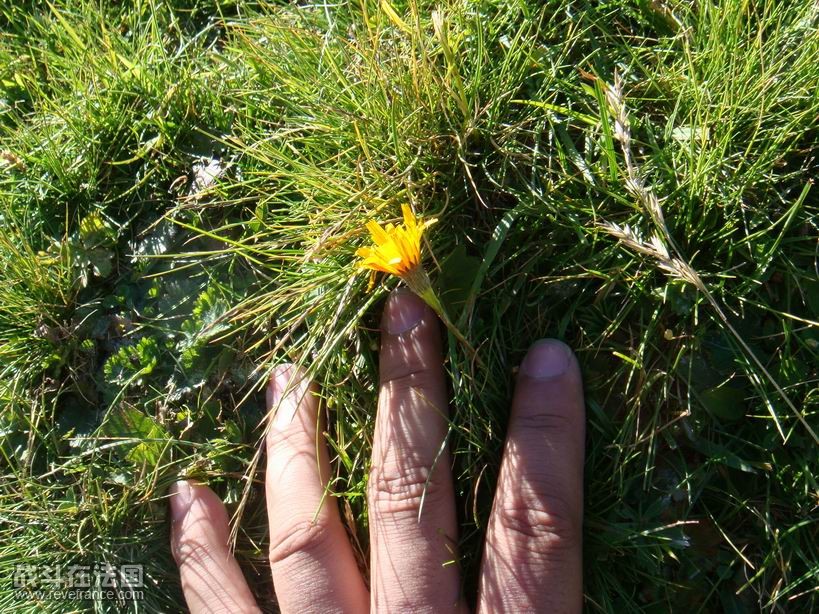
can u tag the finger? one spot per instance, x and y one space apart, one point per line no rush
413 528
211 578
532 556
313 566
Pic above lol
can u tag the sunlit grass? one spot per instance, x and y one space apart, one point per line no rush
183 191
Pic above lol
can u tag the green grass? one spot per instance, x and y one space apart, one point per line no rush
635 178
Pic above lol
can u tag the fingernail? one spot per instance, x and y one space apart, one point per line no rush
275 385
403 312
284 383
546 358
181 495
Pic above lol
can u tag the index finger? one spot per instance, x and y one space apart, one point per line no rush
313 566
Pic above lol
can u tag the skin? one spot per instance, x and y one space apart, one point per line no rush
532 554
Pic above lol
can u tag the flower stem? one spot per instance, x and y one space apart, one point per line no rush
418 281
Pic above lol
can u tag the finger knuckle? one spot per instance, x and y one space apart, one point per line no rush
302 538
402 488
408 376
289 441
539 421
192 550
547 526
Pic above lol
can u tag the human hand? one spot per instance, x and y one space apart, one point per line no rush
532 554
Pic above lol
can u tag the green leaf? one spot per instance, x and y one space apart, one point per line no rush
149 436
100 261
77 420
492 248
724 402
717 453
96 232
810 289
130 365
458 271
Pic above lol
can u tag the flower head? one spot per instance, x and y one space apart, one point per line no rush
397 249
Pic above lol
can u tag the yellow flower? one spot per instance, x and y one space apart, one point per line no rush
397 249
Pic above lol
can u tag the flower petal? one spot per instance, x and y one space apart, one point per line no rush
397 249
379 236
409 217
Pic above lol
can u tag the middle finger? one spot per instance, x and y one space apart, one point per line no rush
413 528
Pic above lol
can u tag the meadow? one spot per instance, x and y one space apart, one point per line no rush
183 188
